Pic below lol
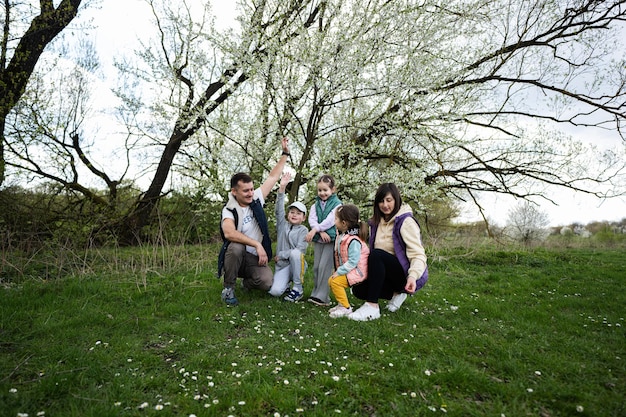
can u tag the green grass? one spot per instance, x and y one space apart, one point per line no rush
497 332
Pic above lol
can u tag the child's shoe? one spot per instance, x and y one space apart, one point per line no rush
293 296
334 308
318 302
340 311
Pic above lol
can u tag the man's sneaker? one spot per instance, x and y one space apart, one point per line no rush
366 312
293 296
318 302
396 301
340 311
228 296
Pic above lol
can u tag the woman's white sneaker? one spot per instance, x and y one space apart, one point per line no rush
366 312
396 301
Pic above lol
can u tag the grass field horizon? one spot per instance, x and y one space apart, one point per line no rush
495 332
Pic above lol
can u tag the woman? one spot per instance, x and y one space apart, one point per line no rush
397 261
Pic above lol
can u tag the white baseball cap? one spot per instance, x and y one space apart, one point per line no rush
299 206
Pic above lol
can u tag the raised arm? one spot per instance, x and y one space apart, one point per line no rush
274 174
279 209
284 181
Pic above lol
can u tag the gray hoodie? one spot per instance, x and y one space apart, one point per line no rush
289 236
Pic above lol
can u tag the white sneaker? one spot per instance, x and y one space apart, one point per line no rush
396 301
365 313
340 311
335 308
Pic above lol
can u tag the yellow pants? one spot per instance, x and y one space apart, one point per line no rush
338 286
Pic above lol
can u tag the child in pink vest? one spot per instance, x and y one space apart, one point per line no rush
351 253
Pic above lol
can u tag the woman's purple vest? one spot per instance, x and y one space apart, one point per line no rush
399 246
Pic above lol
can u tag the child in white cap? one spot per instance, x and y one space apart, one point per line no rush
290 247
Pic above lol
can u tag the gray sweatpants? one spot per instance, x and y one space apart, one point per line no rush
323 267
293 271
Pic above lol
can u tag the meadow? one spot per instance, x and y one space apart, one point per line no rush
143 332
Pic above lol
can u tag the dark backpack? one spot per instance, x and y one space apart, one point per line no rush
222 255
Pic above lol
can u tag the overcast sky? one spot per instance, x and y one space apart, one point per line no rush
120 22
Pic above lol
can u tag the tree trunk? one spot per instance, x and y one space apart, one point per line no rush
139 217
131 225
13 79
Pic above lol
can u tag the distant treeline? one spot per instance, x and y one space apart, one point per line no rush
29 219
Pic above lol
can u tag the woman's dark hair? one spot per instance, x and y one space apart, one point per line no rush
349 213
381 193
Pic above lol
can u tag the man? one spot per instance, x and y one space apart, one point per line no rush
247 246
